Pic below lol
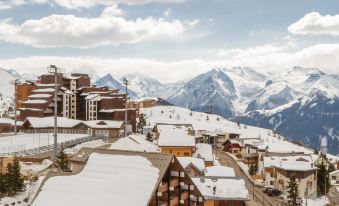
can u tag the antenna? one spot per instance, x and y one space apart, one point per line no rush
52 69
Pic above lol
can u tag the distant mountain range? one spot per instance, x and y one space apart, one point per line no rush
301 103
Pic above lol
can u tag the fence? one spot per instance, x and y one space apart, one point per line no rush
62 131
21 151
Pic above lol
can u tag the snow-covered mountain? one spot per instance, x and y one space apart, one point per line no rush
6 90
110 81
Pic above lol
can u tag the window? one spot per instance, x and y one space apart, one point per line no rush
271 182
186 154
178 153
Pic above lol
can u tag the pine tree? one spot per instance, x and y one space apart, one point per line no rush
293 192
141 123
250 169
2 185
14 181
63 163
323 180
149 136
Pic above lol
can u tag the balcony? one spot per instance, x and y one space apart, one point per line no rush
162 204
174 200
163 187
174 182
184 196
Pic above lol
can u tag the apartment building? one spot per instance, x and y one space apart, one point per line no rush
279 169
76 99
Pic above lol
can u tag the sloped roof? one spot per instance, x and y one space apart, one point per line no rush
204 151
221 171
176 136
104 124
197 162
135 143
292 163
48 122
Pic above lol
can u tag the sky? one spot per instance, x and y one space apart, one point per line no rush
170 40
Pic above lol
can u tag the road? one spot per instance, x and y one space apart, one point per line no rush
259 198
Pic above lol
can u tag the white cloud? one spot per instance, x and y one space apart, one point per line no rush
168 12
266 58
112 11
194 22
7 4
81 32
316 24
76 4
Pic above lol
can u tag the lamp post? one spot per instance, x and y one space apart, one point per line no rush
52 69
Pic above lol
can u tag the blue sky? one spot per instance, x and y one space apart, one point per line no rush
184 37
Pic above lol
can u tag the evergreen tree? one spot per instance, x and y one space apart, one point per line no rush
323 180
149 136
250 169
141 123
14 181
2 185
293 192
63 163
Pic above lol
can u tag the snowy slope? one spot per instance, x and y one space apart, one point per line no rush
6 90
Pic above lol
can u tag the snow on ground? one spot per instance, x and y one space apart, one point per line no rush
218 124
29 193
322 201
105 180
90 144
35 168
24 141
135 143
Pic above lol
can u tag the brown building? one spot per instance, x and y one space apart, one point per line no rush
170 186
76 99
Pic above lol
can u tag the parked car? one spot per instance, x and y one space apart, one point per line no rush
273 192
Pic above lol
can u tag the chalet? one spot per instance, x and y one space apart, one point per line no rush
105 128
334 177
143 103
278 170
193 166
175 140
46 125
222 191
233 146
205 152
6 125
120 178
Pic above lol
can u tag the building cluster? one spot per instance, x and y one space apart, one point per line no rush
274 163
76 99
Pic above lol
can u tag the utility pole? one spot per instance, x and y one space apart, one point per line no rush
15 83
126 107
52 69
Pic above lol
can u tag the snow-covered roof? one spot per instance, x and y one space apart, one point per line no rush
93 97
222 188
334 172
44 90
197 162
135 143
116 110
171 135
204 151
39 96
220 171
6 121
35 101
105 180
104 124
30 109
218 124
291 163
48 122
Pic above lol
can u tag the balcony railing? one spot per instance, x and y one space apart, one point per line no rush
163 187
184 196
174 182
162 204
174 200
